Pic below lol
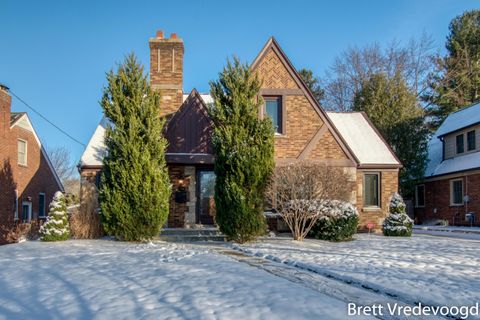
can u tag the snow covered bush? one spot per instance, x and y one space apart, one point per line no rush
338 221
398 223
56 227
297 190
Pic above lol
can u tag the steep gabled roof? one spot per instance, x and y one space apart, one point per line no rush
15 116
273 45
95 150
463 118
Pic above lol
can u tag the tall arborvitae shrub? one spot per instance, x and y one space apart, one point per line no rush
243 145
56 227
398 223
135 187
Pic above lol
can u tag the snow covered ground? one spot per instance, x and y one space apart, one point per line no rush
113 280
431 270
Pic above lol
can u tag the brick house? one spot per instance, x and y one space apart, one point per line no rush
304 132
27 178
451 187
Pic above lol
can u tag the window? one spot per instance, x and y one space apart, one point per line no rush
22 152
98 179
456 192
41 205
460 146
471 143
273 108
15 206
371 187
420 195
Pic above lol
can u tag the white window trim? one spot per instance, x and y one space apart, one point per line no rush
44 205
451 193
379 204
29 204
416 196
26 153
15 210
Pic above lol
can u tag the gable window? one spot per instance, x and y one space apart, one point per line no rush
471 143
371 187
456 192
273 108
459 142
420 195
41 205
22 152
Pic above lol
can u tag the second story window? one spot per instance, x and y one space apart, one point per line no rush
471 143
273 108
459 143
22 152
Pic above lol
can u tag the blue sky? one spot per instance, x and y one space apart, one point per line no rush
54 54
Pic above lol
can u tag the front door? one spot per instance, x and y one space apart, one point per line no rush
205 193
26 211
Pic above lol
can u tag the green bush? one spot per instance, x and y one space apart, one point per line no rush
338 221
398 223
56 227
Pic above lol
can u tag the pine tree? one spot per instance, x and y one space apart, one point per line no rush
394 110
397 223
56 227
312 83
456 83
243 146
135 187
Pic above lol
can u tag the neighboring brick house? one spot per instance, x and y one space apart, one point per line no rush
304 132
451 187
27 178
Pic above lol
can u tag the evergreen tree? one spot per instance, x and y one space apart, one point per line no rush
312 83
397 223
243 146
56 227
394 110
135 187
456 83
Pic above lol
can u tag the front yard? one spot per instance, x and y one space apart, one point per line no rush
107 279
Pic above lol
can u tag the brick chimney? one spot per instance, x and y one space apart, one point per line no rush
166 70
5 109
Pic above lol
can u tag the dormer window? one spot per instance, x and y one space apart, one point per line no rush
273 108
460 144
471 143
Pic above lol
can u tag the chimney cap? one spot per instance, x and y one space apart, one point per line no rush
4 87
159 34
173 35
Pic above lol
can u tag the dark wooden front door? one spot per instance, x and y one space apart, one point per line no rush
205 193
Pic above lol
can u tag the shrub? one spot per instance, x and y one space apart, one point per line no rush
397 223
56 226
338 221
297 191
85 222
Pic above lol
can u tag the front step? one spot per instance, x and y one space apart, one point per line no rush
191 235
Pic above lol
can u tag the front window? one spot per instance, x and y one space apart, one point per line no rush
460 146
41 205
273 108
456 192
22 152
15 206
371 196
420 195
471 143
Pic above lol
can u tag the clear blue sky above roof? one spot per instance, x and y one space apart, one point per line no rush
55 54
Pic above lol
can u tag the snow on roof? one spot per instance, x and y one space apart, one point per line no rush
460 119
207 98
365 143
95 150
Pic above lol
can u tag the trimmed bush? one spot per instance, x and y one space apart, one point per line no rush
56 227
338 221
398 223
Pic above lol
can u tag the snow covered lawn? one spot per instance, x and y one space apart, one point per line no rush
113 280
431 270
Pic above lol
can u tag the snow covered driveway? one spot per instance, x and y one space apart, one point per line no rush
114 280
431 270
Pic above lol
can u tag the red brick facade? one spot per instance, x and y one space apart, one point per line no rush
437 200
27 181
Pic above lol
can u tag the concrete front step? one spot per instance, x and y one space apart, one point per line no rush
191 235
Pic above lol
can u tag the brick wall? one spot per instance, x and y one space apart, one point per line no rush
176 217
437 196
